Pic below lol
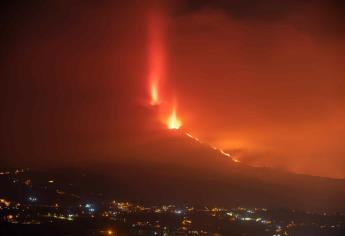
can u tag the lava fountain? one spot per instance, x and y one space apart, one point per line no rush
174 122
156 56
154 94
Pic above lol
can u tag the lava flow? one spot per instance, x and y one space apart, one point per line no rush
175 123
221 151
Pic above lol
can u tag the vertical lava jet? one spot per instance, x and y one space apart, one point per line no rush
156 57
154 93
157 67
174 122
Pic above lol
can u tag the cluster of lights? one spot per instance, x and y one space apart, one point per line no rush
5 202
90 208
119 211
16 172
32 199
244 217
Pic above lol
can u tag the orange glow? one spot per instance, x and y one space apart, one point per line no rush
156 71
192 137
221 151
174 122
156 56
224 153
154 94
6 203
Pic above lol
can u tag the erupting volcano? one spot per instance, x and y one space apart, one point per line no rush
156 73
222 105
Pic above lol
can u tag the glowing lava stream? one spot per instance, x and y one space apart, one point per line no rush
221 151
174 123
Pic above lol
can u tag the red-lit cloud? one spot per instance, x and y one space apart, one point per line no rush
263 82
267 91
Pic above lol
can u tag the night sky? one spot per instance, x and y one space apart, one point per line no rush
263 80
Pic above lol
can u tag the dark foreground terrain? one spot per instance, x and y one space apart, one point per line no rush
85 202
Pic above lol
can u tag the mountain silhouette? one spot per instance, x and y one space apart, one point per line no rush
175 168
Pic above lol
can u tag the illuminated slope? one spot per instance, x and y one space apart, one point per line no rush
175 167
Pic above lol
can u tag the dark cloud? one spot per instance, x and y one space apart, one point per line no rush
325 18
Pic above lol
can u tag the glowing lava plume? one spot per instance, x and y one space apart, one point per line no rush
156 56
154 94
174 122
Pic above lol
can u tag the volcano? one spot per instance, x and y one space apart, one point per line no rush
182 170
152 164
